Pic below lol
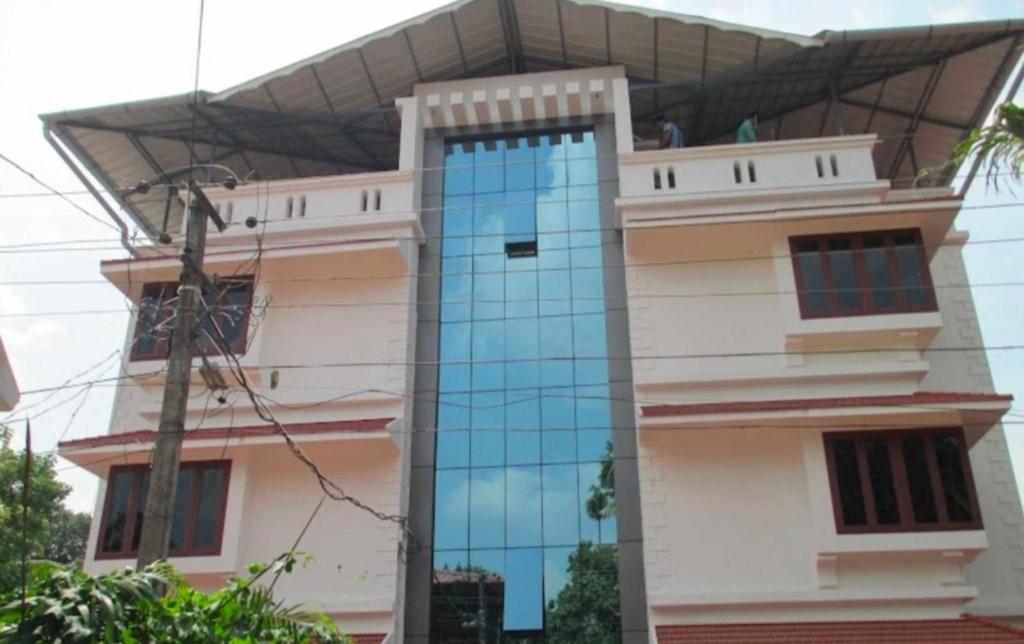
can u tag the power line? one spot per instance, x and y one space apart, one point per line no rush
56 192
580 298
503 271
362 216
120 190
584 360
243 243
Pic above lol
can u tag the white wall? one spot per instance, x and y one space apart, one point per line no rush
738 523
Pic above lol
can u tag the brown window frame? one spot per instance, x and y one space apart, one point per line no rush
901 486
132 511
864 288
164 292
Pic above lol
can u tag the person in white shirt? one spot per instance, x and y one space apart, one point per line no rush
671 135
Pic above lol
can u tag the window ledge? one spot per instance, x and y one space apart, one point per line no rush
222 564
906 330
968 541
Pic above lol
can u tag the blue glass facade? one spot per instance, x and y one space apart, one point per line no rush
523 455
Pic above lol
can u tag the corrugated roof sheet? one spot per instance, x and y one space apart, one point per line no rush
334 112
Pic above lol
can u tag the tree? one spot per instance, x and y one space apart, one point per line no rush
45 509
601 503
70 531
587 607
1000 146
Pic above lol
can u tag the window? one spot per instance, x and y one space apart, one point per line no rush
199 506
901 481
228 309
862 274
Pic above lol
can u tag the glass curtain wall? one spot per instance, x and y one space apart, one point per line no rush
524 521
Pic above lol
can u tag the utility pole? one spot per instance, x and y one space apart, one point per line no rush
163 478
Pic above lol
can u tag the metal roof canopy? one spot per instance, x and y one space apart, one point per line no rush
921 89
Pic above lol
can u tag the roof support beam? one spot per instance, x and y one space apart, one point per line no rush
264 119
49 134
351 135
277 108
561 31
698 118
655 61
217 158
373 87
510 31
458 42
874 108
112 188
412 55
986 103
915 120
882 109
172 193
608 34
158 171
779 70
227 133
268 146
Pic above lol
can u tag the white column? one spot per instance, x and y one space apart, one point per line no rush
410 146
623 116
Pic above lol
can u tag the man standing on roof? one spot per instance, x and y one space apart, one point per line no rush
747 131
671 136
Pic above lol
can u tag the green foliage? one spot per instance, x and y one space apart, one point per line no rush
1000 146
68 535
601 502
46 515
587 608
156 606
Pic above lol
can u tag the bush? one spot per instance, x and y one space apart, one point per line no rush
155 605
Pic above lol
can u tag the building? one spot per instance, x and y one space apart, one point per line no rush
9 394
719 391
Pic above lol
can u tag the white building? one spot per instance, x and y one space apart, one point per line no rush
471 291
9 394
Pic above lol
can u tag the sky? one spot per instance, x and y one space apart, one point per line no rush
59 55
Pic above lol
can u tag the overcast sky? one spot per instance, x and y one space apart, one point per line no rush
59 55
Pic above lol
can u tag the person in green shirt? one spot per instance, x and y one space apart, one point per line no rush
747 131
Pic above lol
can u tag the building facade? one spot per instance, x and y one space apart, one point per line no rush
9 394
591 391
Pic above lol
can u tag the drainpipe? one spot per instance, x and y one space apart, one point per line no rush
48 135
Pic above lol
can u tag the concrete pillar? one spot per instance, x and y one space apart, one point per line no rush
623 116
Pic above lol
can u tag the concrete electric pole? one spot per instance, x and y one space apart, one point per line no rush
163 478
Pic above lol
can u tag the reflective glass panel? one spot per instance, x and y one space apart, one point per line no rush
844 274
813 293
117 510
208 512
949 450
876 261
918 478
911 268
524 486
182 505
882 486
851 495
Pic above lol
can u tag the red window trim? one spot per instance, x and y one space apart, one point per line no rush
900 483
867 305
163 340
132 511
